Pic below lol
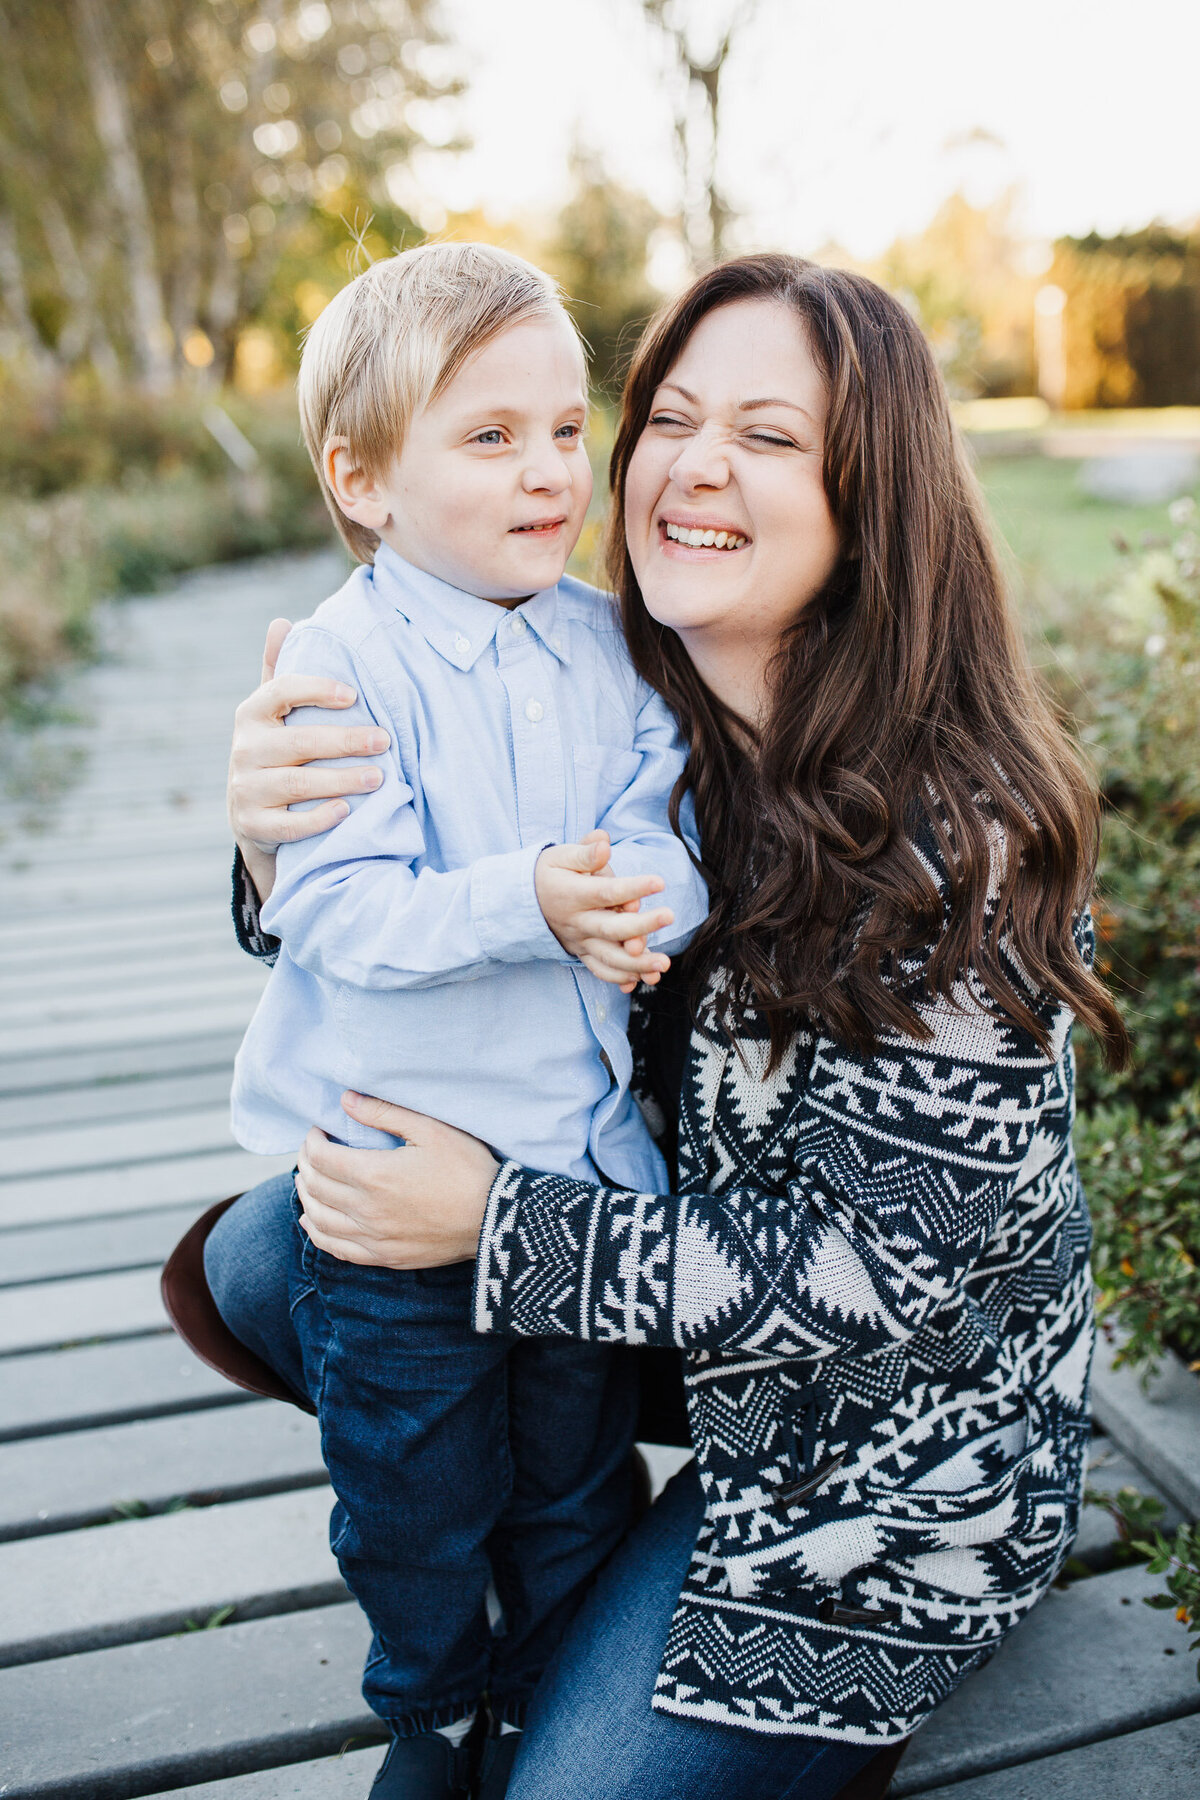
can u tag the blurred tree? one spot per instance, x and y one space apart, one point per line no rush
1132 318
968 282
164 164
699 41
598 252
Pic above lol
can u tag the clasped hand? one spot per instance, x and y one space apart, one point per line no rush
595 915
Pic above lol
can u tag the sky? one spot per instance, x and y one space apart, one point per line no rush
847 122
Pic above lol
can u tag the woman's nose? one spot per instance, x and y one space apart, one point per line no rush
701 463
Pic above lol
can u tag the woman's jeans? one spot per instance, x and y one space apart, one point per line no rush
458 1460
591 1733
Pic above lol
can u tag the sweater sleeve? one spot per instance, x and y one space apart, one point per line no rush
892 1172
247 924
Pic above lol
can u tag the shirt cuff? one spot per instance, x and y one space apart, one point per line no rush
504 909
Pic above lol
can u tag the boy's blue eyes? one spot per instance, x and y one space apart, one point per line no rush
495 436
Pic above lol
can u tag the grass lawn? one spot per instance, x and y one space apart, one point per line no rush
1055 533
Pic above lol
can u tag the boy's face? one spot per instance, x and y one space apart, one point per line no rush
490 490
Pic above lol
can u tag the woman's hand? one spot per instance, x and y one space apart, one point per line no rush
417 1207
266 763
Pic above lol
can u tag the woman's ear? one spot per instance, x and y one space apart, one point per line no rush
358 494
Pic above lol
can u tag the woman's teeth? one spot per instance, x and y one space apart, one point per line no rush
709 540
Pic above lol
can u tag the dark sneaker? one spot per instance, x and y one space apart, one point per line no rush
425 1768
495 1765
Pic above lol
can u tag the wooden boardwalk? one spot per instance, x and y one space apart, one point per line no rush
170 1615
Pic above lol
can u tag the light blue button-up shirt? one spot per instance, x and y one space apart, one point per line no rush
415 962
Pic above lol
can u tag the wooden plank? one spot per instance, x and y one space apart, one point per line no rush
114 1099
347 1777
80 1309
105 1384
85 1590
1109 1470
73 1069
43 1199
117 977
112 927
177 989
1158 1424
226 1453
101 1246
123 1143
1089 1662
199 1017
30 892
1159 1764
186 1709
98 956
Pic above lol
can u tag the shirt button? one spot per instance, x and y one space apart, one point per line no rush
518 623
462 643
602 1013
534 711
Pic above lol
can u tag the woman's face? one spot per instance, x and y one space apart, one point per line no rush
732 450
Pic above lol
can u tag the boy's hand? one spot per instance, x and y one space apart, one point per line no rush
595 915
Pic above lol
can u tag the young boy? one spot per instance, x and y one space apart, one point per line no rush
442 947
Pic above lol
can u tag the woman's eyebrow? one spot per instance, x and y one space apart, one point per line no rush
775 400
744 405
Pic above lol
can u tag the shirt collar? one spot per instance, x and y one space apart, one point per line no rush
458 625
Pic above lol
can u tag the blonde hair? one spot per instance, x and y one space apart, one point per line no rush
393 339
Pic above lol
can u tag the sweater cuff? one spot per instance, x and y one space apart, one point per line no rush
247 923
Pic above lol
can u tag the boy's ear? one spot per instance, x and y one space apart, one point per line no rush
356 492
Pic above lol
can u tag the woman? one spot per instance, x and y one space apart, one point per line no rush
875 1257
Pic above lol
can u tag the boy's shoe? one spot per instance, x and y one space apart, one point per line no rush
495 1765
425 1768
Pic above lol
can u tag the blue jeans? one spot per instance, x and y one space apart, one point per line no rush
591 1733
457 1459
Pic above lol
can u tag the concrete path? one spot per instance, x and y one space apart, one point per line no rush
171 1620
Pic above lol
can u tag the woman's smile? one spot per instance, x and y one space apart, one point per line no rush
699 540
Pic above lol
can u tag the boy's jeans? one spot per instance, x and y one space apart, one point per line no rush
456 1459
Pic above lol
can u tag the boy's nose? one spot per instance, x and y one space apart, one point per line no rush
549 475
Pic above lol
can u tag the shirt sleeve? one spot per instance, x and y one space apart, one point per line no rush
897 1167
638 823
352 906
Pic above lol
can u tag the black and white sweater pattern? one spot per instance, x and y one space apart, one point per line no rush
878 1269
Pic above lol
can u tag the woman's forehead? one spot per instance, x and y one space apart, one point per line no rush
755 352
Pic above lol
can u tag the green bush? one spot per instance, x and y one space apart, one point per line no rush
1142 1179
1137 696
117 496
1128 669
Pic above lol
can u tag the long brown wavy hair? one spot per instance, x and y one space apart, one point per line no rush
904 714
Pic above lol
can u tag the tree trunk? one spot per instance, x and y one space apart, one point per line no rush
152 337
16 299
84 332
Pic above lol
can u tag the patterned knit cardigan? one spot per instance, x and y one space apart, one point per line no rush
878 1270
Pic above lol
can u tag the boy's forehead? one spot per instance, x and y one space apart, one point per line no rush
523 366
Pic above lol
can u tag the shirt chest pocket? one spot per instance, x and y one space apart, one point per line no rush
602 774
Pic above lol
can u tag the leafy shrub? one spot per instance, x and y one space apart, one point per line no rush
173 503
1137 1517
1142 1179
1127 665
1136 693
